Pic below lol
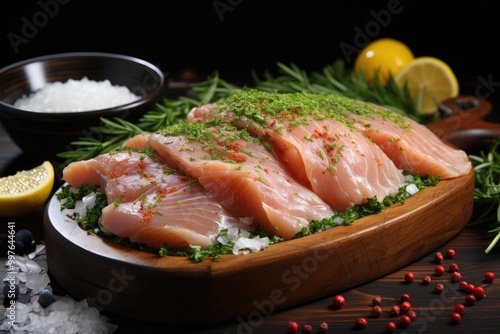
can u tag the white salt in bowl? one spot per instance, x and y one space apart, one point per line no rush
48 102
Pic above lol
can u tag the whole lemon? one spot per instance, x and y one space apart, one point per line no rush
385 55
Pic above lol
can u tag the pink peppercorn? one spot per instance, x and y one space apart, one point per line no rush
438 288
409 277
450 253
478 292
438 257
470 300
307 329
323 327
453 267
361 323
426 280
456 276
460 309
405 297
439 270
456 317
376 311
391 327
292 327
469 288
404 321
489 277
377 300
395 311
412 315
338 301
404 307
463 285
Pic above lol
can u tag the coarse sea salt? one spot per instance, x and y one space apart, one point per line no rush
64 315
76 95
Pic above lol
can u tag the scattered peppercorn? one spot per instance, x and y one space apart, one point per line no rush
439 270
404 307
376 311
391 327
412 315
453 267
405 297
456 317
323 327
307 329
438 257
292 327
463 285
460 309
456 276
361 323
377 300
395 311
450 253
404 321
489 277
470 300
409 277
338 301
438 288
469 288
426 280
478 292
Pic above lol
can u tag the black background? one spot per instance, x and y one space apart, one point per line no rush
237 36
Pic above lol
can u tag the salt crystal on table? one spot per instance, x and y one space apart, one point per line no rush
33 267
37 282
39 249
21 262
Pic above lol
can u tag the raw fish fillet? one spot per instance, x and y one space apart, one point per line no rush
157 205
243 175
327 155
412 146
174 213
125 175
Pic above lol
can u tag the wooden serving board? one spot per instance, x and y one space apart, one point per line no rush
174 290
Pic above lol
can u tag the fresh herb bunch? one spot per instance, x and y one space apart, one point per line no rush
487 190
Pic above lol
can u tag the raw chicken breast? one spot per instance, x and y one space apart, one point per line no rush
243 175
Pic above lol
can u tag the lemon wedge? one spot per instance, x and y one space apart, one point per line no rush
26 191
429 79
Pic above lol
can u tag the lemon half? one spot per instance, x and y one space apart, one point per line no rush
430 79
26 191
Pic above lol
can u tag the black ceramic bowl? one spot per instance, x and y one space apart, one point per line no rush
49 133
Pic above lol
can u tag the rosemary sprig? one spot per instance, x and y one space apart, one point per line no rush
335 79
487 191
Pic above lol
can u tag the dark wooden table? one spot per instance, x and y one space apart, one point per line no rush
433 310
